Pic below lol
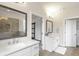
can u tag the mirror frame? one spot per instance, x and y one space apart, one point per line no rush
18 12
51 22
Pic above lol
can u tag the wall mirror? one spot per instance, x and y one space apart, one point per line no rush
13 23
49 26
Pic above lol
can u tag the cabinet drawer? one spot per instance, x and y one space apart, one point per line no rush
24 52
30 51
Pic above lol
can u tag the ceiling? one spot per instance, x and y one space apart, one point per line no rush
52 8
62 4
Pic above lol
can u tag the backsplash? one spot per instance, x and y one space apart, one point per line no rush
7 42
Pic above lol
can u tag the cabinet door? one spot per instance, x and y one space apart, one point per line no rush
24 52
51 43
35 50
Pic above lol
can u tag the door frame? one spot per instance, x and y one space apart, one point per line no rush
34 13
65 28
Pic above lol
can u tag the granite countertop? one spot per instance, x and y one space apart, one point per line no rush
12 48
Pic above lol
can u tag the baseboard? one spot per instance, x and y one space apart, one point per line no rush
72 46
68 46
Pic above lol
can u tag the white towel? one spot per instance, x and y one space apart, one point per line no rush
61 50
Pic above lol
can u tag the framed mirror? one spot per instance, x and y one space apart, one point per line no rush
13 23
49 26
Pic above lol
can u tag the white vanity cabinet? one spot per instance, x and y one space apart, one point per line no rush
27 51
23 52
51 43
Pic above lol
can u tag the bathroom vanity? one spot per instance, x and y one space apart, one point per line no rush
52 43
30 48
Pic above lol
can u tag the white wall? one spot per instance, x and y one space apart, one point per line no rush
59 21
69 13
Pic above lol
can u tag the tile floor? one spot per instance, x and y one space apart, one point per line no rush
69 52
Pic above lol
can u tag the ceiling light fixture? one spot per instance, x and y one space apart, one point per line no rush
52 11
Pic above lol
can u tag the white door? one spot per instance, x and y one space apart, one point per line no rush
71 33
77 31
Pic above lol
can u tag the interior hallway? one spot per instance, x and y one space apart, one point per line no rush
69 52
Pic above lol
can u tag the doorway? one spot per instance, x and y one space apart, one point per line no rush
72 32
77 33
37 29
